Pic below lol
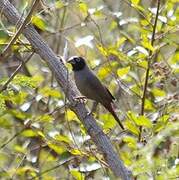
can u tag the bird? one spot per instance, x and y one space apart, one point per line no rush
91 87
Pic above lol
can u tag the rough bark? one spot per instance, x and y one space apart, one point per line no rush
45 52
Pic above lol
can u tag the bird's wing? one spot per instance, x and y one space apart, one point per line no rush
100 91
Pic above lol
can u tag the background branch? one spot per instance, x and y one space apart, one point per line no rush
148 67
26 21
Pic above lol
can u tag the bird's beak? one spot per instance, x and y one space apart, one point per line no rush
71 61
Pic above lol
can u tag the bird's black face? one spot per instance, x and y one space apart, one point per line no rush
78 63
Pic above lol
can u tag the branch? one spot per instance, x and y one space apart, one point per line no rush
148 68
99 138
15 73
23 24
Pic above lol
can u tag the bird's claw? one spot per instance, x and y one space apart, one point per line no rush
89 113
80 99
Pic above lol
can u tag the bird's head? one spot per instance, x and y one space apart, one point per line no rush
78 63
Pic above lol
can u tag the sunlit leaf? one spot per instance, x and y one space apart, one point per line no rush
5 123
44 118
47 91
147 44
108 121
102 50
2 103
77 175
19 114
39 22
140 120
63 138
120 41
83 8
57 148
71 115
20 149
123 71
158 92
24 169
29 133
135 2
104 72
77 152
59 4
26 81
143 64
144 121
131 142
148 105
126 157
132 127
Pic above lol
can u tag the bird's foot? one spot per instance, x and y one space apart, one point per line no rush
80 99
89 113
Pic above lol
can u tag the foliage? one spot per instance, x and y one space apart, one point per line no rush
41 137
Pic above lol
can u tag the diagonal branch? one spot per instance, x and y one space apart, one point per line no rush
99 138
22 26
4 87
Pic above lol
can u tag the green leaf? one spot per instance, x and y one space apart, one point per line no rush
144 121
29 133
59 4
77 175
17 98
44 118
83 8
39 22
108 121
57 148
20 149
19 114
2 103
161 123
5 123
135 2
25 81
23 170
102 50
148 105
143 63
132 127
147 44
131 141
63 138
123 71
103 72
47 91
120 41
158 92
71 116
77 152
139 120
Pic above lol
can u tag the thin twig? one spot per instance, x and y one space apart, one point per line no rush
26 21
148 68
15 73
12 138
53 168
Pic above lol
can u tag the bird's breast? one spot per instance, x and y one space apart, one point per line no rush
84 81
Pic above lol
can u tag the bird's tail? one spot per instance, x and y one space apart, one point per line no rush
111 110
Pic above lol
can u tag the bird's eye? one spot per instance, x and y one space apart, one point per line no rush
78 59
